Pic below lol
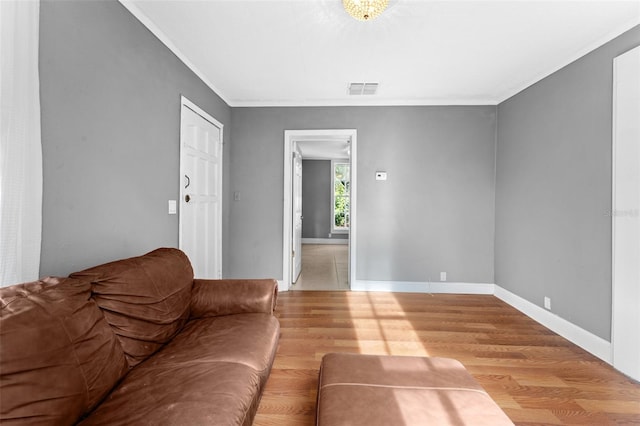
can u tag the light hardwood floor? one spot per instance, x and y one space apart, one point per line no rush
536 376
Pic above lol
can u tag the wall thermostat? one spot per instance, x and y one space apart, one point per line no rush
381 175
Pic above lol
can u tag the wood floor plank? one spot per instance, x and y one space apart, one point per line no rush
536 376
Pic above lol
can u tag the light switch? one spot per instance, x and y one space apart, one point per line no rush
172 207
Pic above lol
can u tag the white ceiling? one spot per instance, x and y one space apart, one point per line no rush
306 52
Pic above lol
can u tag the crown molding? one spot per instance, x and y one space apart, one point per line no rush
572 58
365 103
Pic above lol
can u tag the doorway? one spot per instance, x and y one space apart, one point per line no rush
297 142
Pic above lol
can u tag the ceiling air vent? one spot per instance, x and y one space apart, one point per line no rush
363 88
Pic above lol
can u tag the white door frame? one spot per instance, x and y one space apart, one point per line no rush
290 138
186 103
625 220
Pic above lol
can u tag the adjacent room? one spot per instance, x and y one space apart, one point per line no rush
323 180
439 197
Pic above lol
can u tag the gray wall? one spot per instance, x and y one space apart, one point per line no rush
110 97
553 189
434 213
316 198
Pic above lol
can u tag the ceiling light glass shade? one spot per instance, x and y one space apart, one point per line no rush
364 10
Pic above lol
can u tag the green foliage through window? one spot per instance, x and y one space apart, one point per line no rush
341 195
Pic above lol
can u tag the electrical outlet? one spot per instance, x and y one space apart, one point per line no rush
443 276
547 303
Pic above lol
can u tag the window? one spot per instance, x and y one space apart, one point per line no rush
341 196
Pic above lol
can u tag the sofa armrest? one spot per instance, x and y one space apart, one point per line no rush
225 297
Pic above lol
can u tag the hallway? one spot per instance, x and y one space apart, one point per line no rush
324 267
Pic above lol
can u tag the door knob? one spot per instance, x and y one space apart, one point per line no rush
187 198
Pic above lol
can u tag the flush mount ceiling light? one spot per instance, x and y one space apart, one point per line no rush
365 10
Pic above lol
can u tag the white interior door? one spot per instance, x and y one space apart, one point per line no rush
297 217
626 214
201 190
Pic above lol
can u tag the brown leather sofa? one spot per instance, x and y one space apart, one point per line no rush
137 341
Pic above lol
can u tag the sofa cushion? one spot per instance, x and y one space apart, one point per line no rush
59 356
213 372
249 339
215 393
145 299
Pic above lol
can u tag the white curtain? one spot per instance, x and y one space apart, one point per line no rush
20 145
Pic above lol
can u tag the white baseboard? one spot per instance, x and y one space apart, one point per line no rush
423 287
325 241
588 341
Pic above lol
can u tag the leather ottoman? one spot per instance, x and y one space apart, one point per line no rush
373 390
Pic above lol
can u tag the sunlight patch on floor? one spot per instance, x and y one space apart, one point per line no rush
382 327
